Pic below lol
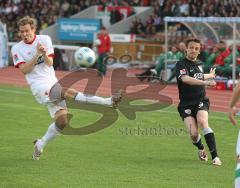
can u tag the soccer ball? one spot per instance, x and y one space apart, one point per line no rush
85 56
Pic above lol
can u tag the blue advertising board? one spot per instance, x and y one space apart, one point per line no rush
77 29
3 46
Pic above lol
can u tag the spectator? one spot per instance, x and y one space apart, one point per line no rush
176 9
157 23
115 16
219 61
10 11
65 8
103 50
227 68
154 72
149 25
82 5
37 9
208 64
135 3
140 26
58 62
184 8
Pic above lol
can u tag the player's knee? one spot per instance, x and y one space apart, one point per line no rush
69 93
62 121
203 122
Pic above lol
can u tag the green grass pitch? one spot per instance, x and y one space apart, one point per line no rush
114 157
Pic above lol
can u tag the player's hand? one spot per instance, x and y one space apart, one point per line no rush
38 49
232 114
212 72
210 83
41 49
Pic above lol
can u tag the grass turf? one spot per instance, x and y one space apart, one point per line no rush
118 156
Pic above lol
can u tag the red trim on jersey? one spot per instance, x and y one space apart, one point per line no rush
51 55
17 65
32 40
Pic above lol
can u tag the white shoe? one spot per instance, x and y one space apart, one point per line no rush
116 99
202 155
217 161
37 151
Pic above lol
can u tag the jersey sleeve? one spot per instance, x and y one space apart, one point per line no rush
17 58
49 46
181 70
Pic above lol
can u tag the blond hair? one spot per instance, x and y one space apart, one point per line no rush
27 20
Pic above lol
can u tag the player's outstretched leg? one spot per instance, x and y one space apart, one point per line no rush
58 93
84 98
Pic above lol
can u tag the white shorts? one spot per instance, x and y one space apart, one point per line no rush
41 92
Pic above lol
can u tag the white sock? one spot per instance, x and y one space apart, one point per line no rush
238 166
207 130
237 182
80 97
237 178
51 133
238 144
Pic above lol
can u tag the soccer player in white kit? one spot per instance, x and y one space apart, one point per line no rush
34 57
232 112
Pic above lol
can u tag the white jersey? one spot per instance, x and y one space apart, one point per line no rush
42 77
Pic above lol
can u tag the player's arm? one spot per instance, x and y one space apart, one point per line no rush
28 67
48 60
183 75
210 75
235 96
234 99
193 81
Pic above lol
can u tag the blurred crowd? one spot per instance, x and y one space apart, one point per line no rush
193 8
48 11
45 11
219 56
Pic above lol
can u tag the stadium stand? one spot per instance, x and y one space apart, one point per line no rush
48 11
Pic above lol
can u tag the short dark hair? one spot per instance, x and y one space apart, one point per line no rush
193 40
